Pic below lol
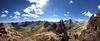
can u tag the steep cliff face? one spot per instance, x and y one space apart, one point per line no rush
92 33
7 34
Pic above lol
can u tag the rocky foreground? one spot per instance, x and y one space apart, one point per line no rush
92 33
7 34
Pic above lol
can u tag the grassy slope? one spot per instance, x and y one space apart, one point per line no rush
77 29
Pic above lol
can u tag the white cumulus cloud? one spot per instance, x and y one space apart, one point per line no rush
41 2
31 1
32 11
95 15
87 13
39 11
84 12
5 11
99 7
66 14
31 15
15 17
71 1
17 13
27 10
35 9
3 15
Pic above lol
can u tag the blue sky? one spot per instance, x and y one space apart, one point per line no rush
51 10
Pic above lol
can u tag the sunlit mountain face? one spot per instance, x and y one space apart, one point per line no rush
50 10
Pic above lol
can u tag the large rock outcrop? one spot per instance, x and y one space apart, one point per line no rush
92 33
7 34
